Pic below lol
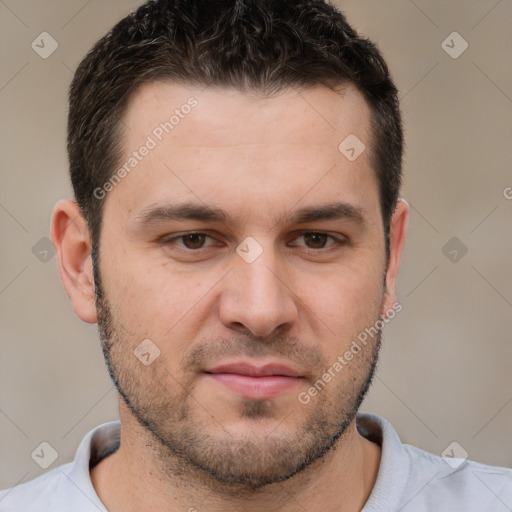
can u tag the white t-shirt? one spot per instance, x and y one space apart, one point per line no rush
409 479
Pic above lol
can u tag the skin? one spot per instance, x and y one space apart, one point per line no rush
302 301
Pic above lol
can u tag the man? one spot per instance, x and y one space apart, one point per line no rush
237 235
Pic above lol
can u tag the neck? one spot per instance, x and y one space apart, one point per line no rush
134 478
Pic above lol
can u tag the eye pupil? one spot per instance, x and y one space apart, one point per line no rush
318 239
197 240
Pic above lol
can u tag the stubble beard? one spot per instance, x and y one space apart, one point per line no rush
182 444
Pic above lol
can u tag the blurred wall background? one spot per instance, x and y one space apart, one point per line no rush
445 372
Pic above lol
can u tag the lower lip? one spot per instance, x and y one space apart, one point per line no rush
256 388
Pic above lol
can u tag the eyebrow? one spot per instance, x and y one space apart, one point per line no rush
202 212
183 211
331 211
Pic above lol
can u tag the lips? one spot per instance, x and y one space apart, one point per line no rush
253 381
250 370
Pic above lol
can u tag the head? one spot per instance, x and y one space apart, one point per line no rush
218 216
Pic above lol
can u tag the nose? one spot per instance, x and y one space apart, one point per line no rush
258 296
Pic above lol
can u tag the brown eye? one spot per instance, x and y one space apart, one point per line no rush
318 243
193 240
188 241
315 240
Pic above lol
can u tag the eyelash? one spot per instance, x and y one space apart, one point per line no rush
337 241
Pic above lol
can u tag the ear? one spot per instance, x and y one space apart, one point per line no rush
70 237
397 232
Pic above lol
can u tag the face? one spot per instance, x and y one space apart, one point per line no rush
250 252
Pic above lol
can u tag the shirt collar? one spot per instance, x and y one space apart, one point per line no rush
385 496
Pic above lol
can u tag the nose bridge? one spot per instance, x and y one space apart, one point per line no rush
257 295
260 278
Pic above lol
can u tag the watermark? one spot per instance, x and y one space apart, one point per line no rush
152 140
454 455
342 361
43 250
454 45
44 45
146 352
352 147
249 250
44 455
454 249
507 192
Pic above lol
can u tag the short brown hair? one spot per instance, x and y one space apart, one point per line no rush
261 45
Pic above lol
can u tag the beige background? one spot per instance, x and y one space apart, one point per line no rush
445 373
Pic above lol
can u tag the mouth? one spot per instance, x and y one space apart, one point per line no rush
255 382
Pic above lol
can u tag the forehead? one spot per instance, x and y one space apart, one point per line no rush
245 152
316 115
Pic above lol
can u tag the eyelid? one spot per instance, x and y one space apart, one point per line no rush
338 239
166 240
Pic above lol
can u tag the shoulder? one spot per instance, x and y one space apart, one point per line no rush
41 494
67 488
58 490
413 480
445 483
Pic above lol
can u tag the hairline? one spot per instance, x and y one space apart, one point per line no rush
253 91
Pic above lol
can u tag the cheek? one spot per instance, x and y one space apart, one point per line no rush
343 303
157 302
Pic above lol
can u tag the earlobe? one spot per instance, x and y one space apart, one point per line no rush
70 236
397 235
